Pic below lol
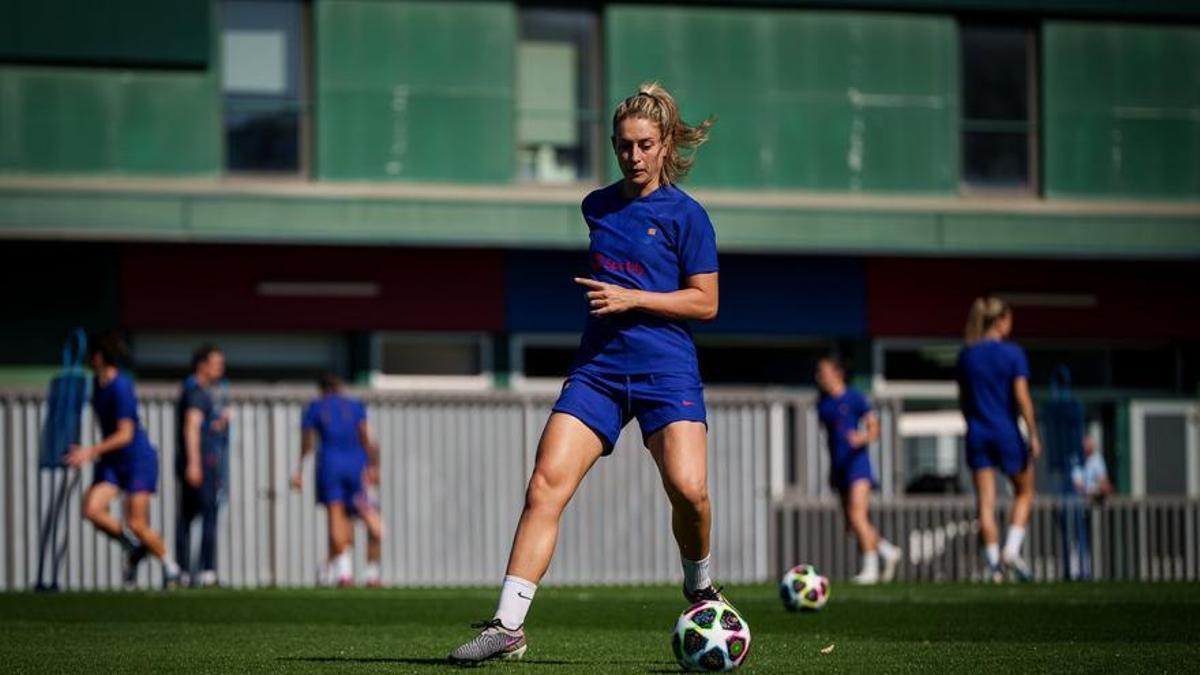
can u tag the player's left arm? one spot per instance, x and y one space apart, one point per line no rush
697 300
123 436
871 434
1025 408
367 439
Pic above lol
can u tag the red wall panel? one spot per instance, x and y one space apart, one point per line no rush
1128 300
201 287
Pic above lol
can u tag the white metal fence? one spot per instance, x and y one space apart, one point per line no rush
1147 539
454 470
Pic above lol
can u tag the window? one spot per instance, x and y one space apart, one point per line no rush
264 87
260 357
431 361
540 361
999 126
558 132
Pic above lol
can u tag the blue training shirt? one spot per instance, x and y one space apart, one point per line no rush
986 371
841 416
113 403
652 243
213 442
335 418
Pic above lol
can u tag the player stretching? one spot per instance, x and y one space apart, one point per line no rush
349 458
654 267
842 411
125 462
993 386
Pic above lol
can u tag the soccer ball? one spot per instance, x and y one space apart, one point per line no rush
803 589
710 635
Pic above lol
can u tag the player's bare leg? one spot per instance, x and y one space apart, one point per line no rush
567 451
137 519
374 524
880 557
989 534
1023 487
341 535
680 450
95 510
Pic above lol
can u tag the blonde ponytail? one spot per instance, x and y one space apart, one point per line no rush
985 312
653 102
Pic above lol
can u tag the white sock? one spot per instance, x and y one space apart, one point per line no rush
887 549
695 574
1012 543
170 566
344 567
516 595
870 564
371 574
991 553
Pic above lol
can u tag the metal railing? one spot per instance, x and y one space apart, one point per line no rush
454 467
1144 539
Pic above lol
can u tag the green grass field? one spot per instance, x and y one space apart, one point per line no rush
1106 627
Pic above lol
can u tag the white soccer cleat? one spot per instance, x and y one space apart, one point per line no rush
1018 569
865 578
890 556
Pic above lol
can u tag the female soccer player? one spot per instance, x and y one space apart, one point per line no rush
843 411
125 462
993 386
349 458
654 267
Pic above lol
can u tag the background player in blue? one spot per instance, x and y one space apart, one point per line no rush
125 461
654 267
850 428
993 390
347 463
202 420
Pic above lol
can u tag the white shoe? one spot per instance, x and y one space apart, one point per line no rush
890 556
208 579
865 578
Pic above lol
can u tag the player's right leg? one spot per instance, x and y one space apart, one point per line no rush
1023 488
341 529
137 519
985 503
855 501
95 509
189 507
566 452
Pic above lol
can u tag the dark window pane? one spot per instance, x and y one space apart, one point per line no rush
541 361
1087 365
557 95
262 141
403 357
262 81
759 364
995 73
921 364
996 159
1146 368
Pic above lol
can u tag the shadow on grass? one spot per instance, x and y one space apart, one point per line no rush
657 666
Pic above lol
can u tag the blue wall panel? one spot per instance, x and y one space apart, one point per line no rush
769 295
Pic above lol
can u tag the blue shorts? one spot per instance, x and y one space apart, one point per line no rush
606 403
988 449
132 474
341 482
854 467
